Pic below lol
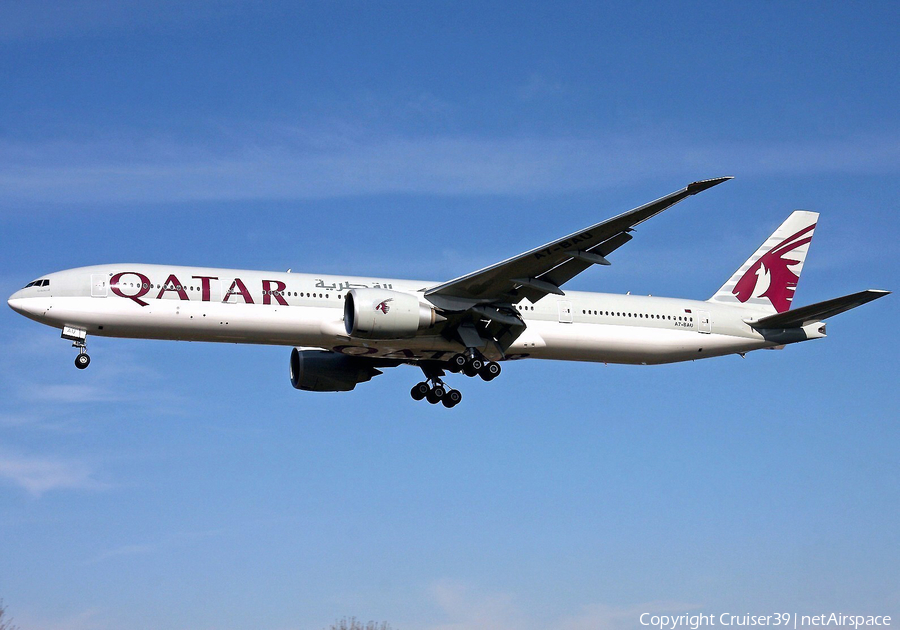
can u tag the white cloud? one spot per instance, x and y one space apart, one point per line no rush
596 616
538 85
22 20
467 608
171 541
49 394
124 550
295 164
14 420
87 619
38 475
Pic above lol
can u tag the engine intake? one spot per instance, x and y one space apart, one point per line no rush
379 314
324 371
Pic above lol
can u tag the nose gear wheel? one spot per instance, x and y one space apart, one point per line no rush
82 360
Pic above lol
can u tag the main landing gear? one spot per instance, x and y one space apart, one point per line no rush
436 392
433 389
472 364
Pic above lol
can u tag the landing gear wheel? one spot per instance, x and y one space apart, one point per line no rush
476 364
458 362
451 399
433 389
419 391
490 371
436 393
82 361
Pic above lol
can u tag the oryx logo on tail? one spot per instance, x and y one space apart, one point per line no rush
383 306
768 279
772 275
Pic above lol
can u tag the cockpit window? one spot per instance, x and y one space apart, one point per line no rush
45 283
38 283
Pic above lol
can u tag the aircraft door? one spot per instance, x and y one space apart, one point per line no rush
565 311
704 324
99 285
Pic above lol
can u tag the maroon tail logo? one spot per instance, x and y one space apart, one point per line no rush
771 276
383 306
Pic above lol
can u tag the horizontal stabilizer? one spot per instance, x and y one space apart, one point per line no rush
804 315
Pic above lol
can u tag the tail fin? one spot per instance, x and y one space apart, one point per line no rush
769 277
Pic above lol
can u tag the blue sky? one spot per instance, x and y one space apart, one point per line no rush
189 486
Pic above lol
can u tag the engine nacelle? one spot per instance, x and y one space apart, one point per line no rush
323 371
380 314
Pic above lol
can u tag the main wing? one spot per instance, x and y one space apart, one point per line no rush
479 307
545 269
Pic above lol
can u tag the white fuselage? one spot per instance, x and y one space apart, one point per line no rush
306 310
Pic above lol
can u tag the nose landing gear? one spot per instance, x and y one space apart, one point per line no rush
78 338
82 360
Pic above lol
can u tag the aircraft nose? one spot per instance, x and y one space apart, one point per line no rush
17 302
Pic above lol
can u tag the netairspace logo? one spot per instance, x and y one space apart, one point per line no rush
791 620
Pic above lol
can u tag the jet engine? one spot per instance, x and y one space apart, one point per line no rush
324 371
381 314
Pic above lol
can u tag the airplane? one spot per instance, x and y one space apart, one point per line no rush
345 330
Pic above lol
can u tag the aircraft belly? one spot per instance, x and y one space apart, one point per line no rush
631 344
